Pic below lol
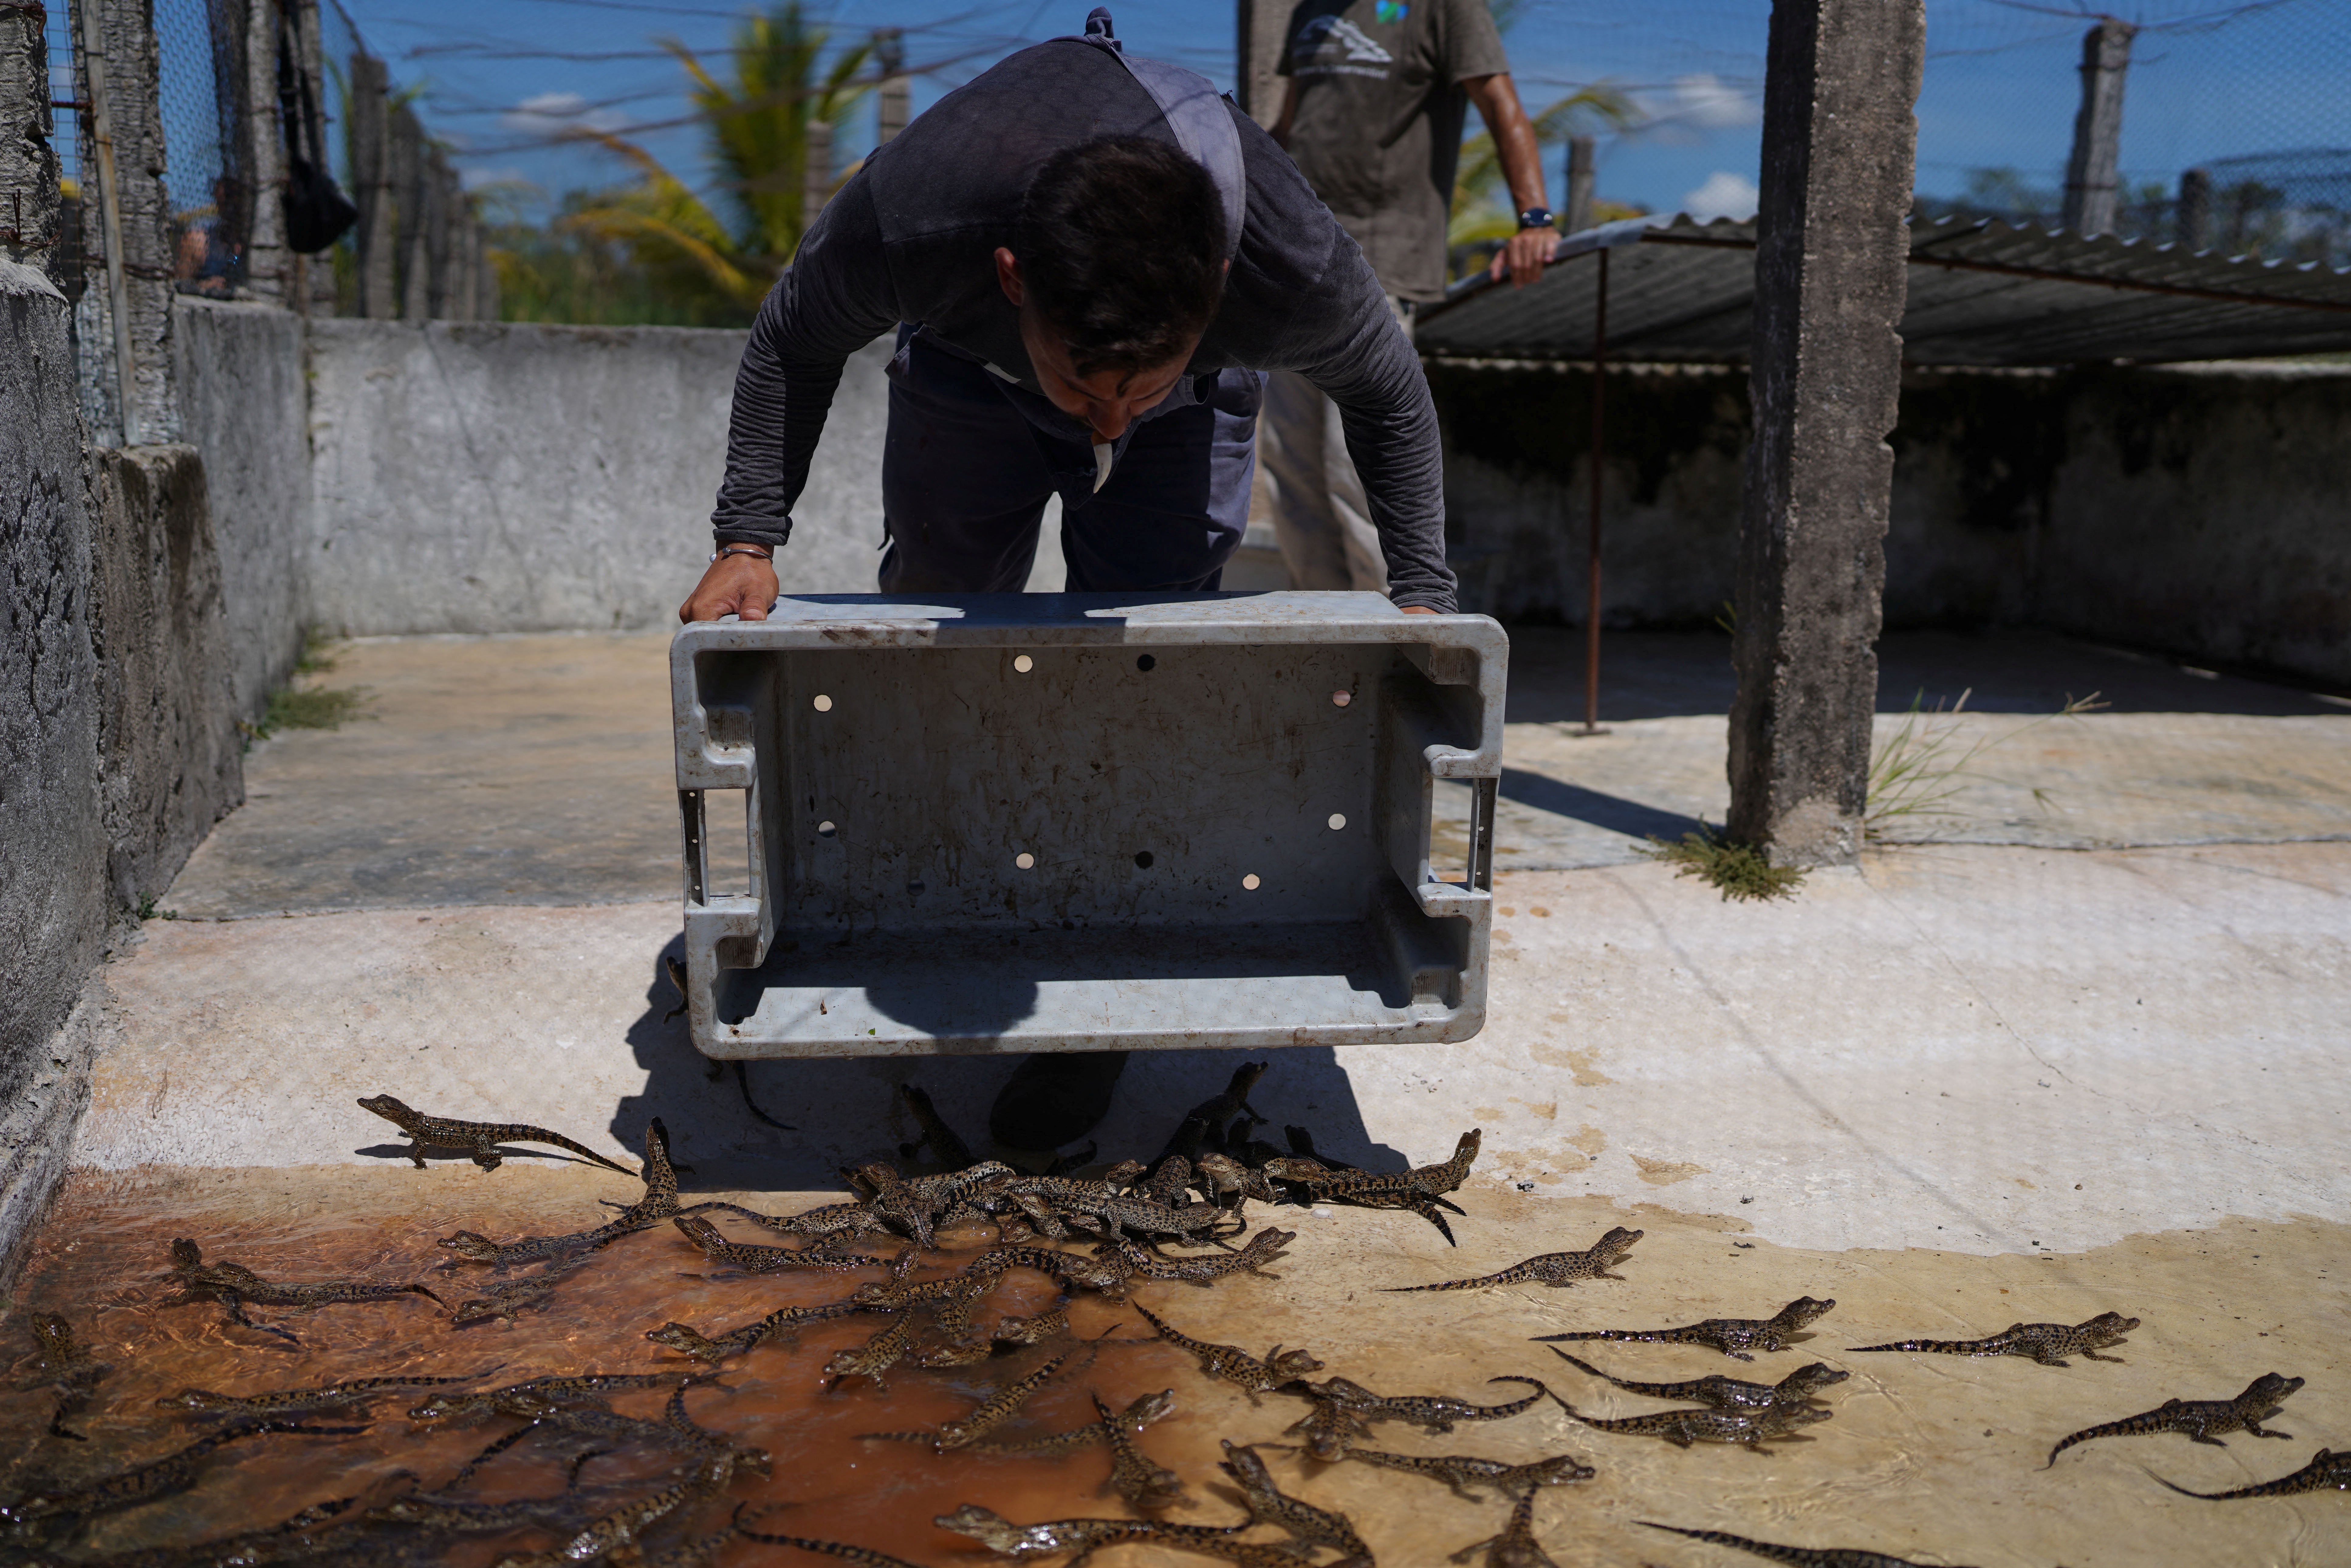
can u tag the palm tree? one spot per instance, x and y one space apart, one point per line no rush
756 128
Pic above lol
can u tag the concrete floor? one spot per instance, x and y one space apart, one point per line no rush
2101 1037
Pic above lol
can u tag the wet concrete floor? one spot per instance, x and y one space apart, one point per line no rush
2030 1074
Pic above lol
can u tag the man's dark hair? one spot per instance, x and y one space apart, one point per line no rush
1121 249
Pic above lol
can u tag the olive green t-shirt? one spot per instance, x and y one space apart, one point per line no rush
1377 130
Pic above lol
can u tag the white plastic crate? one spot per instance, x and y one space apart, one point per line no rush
1085 822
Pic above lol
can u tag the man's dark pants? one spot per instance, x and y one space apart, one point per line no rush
968 463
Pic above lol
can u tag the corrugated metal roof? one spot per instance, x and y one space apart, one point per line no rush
1982 293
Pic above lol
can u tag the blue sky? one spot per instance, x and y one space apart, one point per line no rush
2208 79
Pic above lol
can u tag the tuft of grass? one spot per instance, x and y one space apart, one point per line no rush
319 655
1922 766
316 708
1740 871
147 910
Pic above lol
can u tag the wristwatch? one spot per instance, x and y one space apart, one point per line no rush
1535 218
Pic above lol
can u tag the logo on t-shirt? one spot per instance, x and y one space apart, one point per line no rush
1388 13
1333 44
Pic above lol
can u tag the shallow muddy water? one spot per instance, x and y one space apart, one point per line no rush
1932 1458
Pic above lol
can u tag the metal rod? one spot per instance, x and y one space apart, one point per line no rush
1599 439
109 207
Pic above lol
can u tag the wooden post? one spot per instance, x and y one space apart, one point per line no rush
98 94
2091 174
408 212
261 156
1581 179
893 103
1840 80
371 238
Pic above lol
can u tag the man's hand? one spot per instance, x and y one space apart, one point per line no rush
1419 610
1523 259
742 585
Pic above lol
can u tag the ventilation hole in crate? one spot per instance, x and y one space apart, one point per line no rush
1337 821
1143 859
1249 881
1145 661
1341 699
1023 663
1025 860
825 830
823 704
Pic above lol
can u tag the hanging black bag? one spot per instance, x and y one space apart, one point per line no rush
317 213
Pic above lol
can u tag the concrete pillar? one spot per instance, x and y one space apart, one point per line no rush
408 193
260 152
893 104
28 156
1582 177
1260 29
486 288
440 234
116 42
2195 212
370 132
1839 137
815 172
2091 176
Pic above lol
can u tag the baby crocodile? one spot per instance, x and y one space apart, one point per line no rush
553 1386
945 1147
1725 1392
65 1367
1421 1181
617 1530
991 1413
1801 1556
154 1479
837 1222
224 1280
1516 1547
1329 1428
1146 1486
757 1260
503 1301
875 1357
559 1512
1236 1365
1550 1269
2199 1419
293 1401
1437 1411
735 1341
1263 1247
1461 1471
480 1248
1306 1524
1084 1537
1218 1176
2048 1343
2327 1472
481 1138
865 1556
660 1177
1682 1428
1145 1409
1732 1336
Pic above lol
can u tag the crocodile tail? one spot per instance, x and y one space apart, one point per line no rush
1763 1548
541 1135
1944 1345
2083 1436
1447 1285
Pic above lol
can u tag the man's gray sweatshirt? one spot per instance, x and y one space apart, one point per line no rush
911 239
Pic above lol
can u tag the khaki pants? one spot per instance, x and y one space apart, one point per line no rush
1310 488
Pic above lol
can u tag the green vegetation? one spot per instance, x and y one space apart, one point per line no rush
301 704
1923 765
651 250
1740 871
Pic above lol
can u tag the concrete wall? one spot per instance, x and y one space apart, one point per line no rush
53 918
244 407
479 478
2204 511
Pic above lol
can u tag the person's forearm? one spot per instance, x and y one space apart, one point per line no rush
1514 139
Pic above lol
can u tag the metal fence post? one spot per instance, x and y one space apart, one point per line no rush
1580 180
2194 224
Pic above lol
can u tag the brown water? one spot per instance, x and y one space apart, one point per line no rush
1933 1458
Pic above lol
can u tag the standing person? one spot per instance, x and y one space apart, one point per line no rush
1378 91
1089 260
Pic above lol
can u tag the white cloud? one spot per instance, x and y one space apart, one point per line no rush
1703 101
1724 196
554 113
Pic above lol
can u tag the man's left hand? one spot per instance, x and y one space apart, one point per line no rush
1524 257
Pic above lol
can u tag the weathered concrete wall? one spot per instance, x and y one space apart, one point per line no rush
52 922
2204 511
245 409
170 757
478 477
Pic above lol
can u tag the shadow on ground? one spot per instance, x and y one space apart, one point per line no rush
841 1110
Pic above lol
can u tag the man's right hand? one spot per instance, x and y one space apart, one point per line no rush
742 585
